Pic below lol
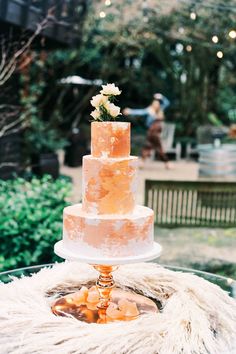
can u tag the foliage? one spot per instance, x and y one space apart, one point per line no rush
40 138
159 48
173 48
226 101
214 120
41 135
162 51
30 220
226 269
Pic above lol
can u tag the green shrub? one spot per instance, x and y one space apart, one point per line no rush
30 220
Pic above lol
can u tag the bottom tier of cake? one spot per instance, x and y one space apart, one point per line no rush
108 235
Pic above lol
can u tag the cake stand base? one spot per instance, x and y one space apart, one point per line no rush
66 253
102 303
92 313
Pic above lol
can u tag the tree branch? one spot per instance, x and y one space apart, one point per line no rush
9 64
9 126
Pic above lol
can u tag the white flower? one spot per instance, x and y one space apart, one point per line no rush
113 110
110 90
95 114
98 100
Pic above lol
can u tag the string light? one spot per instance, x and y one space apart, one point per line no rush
107 2
179 47
102 14
232 34
215 39
183 78
193 16
178 36
220 54
230 281
189 48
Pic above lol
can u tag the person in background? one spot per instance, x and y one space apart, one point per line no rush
154 117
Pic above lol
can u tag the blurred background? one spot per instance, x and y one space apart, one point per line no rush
54 57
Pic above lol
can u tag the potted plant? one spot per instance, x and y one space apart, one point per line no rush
42 139
42 143
77 146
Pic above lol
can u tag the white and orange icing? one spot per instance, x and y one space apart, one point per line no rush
108 223
109 185
108 235
110 139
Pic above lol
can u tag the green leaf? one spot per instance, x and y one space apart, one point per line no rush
31 220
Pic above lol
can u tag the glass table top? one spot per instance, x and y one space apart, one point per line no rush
225 283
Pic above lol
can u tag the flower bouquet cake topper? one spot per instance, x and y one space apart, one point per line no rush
105 109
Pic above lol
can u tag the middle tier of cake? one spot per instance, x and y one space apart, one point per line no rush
109 185
108 235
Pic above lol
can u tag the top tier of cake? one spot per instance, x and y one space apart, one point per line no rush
109 139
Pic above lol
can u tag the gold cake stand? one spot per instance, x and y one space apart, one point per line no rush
104 303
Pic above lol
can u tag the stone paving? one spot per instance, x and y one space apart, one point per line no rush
181 246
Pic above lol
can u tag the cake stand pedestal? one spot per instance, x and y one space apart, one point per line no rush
104 303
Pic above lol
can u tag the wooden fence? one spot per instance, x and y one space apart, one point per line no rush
195 203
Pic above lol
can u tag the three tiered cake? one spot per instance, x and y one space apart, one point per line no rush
108 223
108 229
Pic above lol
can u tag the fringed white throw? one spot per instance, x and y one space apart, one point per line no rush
197 317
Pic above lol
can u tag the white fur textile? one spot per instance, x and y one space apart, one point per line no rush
197 316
